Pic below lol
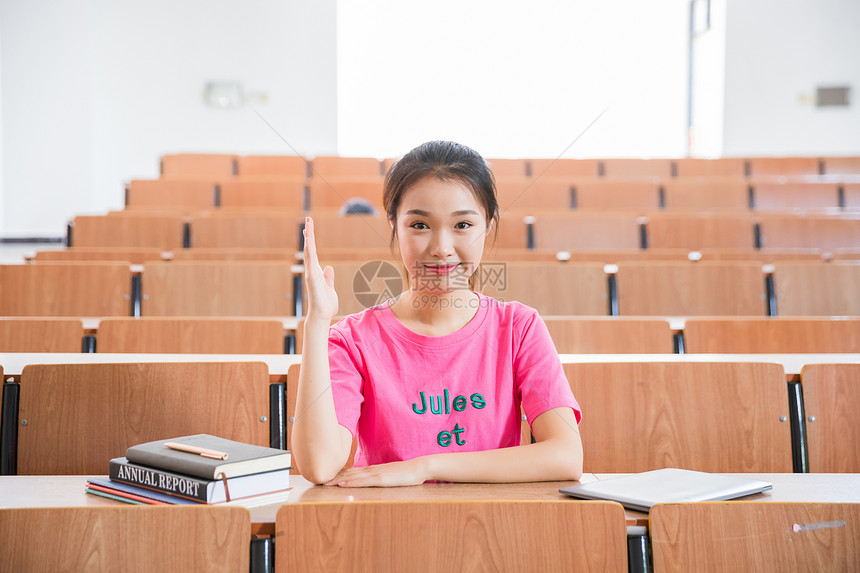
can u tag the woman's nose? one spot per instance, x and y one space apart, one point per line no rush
442 246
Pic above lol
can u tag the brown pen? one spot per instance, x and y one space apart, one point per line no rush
214 454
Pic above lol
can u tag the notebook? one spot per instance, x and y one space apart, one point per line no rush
670 485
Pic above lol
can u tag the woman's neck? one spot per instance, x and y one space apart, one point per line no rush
430 311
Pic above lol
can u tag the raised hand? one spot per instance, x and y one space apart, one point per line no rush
319 282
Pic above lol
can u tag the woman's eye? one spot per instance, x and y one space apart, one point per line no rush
418 225
463 225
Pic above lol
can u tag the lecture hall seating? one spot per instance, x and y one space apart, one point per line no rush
206 166
564 168
190 335
701 230
795 196
268 166
726 167
557 535
715 417
609 335
128 404
251 230
129 229
706 195
41 335
183 196
755 536
332 193
786 231
817 289
551 288
831 393
126 538
281 194
690 289
217 288
772 335
325 166
76 288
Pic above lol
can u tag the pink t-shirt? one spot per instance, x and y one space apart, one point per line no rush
406 395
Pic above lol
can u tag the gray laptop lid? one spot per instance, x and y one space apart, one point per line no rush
671 485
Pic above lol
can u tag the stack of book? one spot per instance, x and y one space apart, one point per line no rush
194 469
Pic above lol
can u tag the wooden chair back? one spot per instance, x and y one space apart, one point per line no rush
609 335
722 167
772 335
841 165
282 194
41 335
247 230
557 535
293 166
509 167
333 166
78 288
755 536
551 288
217 288
817 289
126 538
830 395
79 416
690 289
791 196
571 231
153 230
851 196
815 232
190 335
697 195
695 231
713 417
564 168
185 196
782 166
637 168
614 195
335 192
212 166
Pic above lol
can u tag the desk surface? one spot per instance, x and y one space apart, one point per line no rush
13 362
66 491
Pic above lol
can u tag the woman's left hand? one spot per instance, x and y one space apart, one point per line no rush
410 472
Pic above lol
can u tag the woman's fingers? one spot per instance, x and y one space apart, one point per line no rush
310 242
328 273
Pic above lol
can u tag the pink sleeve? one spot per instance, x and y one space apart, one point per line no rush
539 376
346 380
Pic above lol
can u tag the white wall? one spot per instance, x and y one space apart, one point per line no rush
94 91
776 55
708 82
513 78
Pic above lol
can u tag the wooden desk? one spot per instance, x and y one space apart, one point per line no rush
13 362
65 491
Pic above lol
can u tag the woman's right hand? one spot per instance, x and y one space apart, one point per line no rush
319 282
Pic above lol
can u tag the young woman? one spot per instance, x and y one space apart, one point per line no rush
432 381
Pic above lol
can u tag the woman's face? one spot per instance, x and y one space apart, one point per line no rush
441 228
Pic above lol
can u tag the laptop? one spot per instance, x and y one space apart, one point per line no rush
670 485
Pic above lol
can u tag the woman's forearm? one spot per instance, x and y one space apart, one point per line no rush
320 445
551 460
